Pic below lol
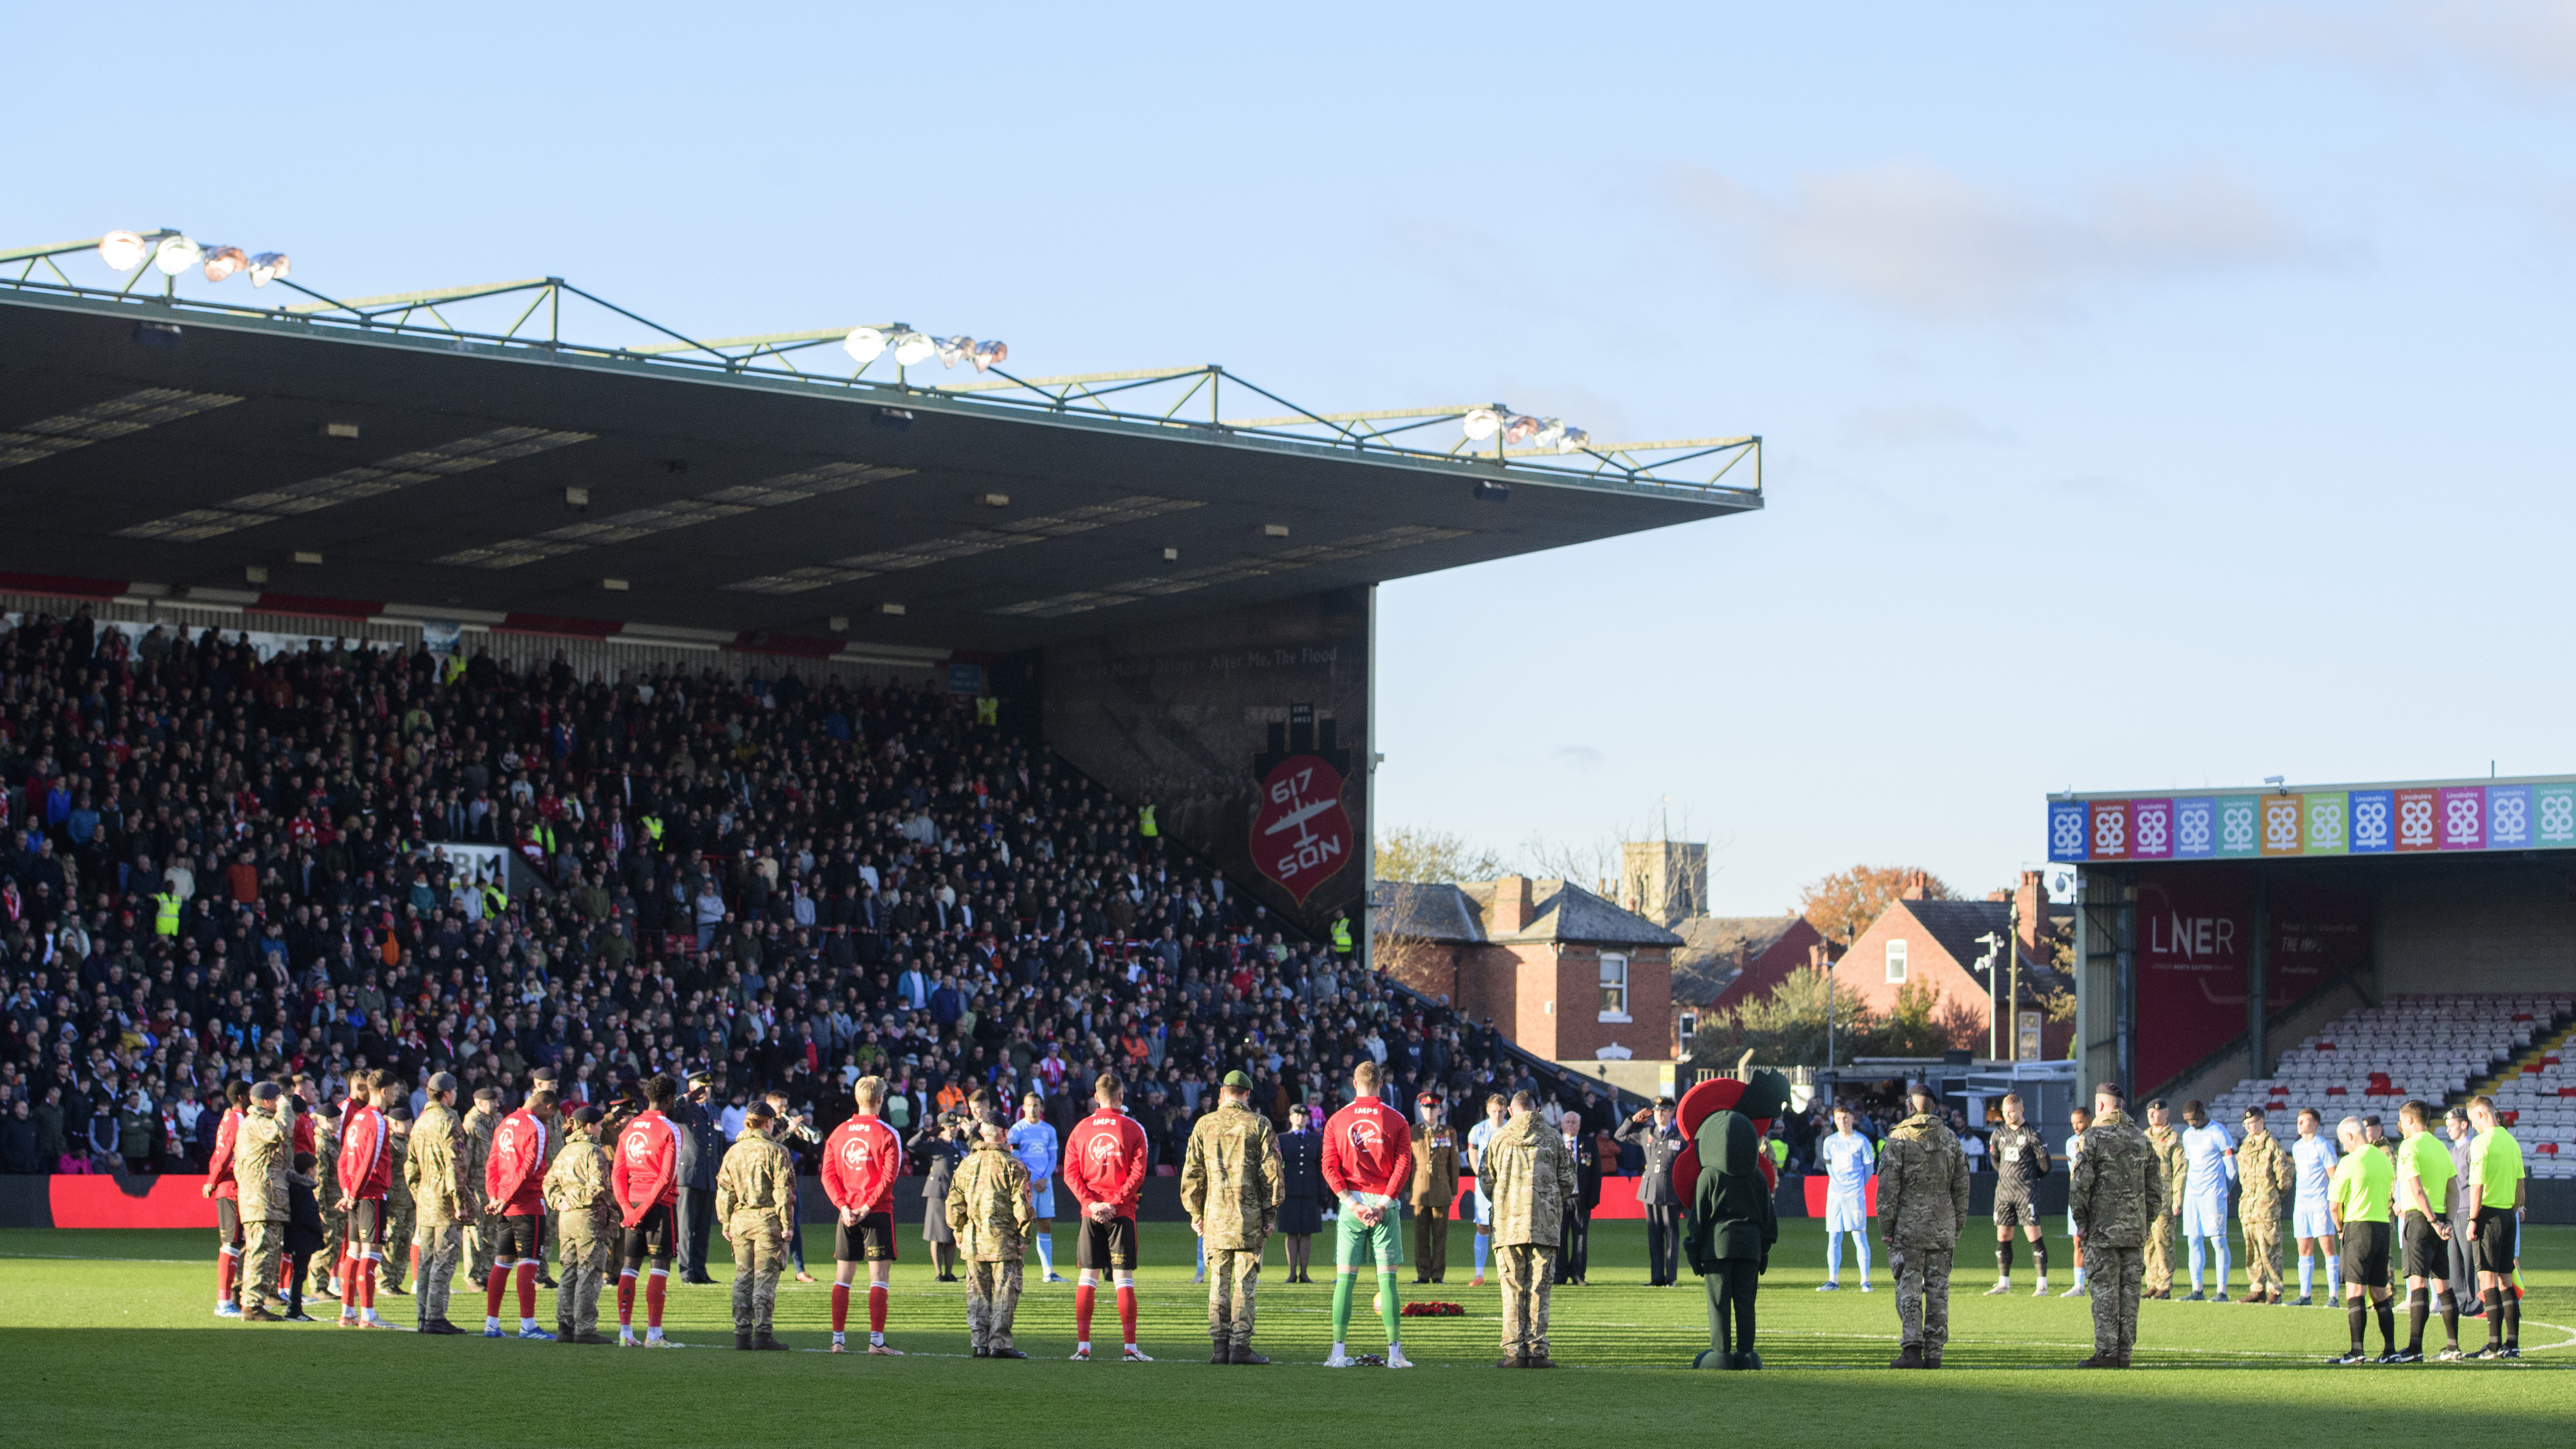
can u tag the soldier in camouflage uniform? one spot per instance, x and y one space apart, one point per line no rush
1922 1201
2264 1175
326 1188
1529 1177
988 1210
440 1200
401 1214
576 1189
263 1154
2117 1194
755 1191
1232 1180
546 1078
473 1154
2166 1144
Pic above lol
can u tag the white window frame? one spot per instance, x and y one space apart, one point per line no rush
1614 961
1689 1029
1896 961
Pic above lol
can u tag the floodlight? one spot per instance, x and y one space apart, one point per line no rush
990 354
176 254
1481 423
863 344
953 350
1551 431
267 267
1574 441
911 348
123 251
1519 428
222 262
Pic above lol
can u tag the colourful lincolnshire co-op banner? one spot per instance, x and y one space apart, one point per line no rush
2394 819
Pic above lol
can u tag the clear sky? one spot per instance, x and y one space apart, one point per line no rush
2154 395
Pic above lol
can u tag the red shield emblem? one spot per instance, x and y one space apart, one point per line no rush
1301 836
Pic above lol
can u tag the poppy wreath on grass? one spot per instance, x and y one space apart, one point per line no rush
1433 1310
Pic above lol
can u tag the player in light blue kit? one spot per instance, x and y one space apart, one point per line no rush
2078 1119
2312 1158
2211 1155
1497 1112
1849 1160
1033 1142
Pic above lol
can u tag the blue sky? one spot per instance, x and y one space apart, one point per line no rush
2154 395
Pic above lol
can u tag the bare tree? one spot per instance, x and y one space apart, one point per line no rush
1412 853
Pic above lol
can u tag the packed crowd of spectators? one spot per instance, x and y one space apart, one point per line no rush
216 866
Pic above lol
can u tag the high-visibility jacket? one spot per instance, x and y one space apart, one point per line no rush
1342 935
165 913
1145 822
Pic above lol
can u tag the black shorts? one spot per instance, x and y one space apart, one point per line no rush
365 1225
522 1240
1109 1245
2426 1254
654 1235
2365 1254
872 1239
228 1223
2499 1240
2015 1212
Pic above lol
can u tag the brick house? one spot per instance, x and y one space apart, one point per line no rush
1922 941
1726 961
1564 973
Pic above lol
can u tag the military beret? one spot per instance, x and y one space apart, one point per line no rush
1238 1079
2155 1104
758 1112
398 1114
265 1092
2252 1114
487 1094
586 1116
442 1082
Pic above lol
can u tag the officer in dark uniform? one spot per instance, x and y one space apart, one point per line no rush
1655 1135
701 1151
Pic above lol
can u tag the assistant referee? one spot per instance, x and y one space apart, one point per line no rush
2359 1200
2424 1189
2496 1186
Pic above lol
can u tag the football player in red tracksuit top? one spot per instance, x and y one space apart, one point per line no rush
226 1191
515 1177
644 1177
861 1159
1104 1166
366 1175
1368 1163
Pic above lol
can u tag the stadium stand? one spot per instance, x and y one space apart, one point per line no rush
217 864
2433 1048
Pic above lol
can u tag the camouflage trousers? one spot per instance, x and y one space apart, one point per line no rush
1234 1277
585 1271
2114 1274
440 1241
263 1246
1923 1295
1528 1271
401 1222
482 1240
992 1298
2262 1252
335 1235
756 1241
2158 1253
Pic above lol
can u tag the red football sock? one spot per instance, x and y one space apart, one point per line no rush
653 1293
840 1307
340 1271
1127 1314
492 1289
415 1265
625 1300
1082 1296
227 1267
527 1290
876 1307
366 1283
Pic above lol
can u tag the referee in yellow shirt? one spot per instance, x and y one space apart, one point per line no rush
2359 1198
2495 1189
2424 1184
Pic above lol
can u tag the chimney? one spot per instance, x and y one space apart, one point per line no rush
1511 906
2030 916
1918 885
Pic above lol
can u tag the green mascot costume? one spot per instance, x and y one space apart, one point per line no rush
1732 1225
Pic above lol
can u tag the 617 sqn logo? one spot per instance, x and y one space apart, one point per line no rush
1301 835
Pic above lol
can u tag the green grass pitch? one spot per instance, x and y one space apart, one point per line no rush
108 1338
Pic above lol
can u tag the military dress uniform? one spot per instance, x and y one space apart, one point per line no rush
2175 1168
263 1154
2117 1194
438 1197
1530 1176
2264 1176
576 1191
1435 1188
1232 1181
1660 1146
755 1191
473 1155
1922 1202
988 1212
